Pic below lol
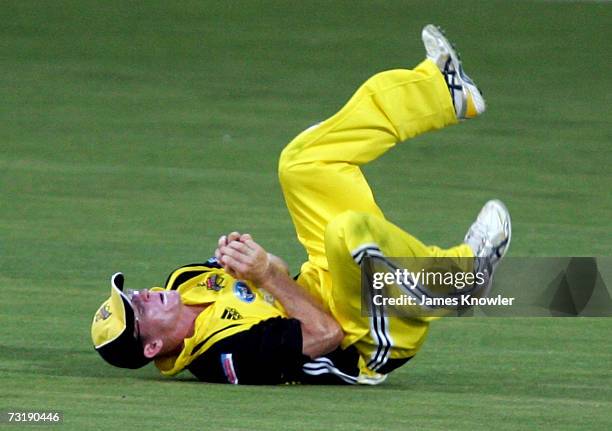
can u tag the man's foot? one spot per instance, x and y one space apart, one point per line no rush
489 236
467 98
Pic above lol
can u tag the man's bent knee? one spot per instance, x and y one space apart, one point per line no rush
294 170
287 164
284 164
288 171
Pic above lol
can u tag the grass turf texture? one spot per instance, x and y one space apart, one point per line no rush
133 135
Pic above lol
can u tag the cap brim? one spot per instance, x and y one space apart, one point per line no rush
112 329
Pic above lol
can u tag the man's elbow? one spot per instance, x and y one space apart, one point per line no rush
332 335
322 339
336 335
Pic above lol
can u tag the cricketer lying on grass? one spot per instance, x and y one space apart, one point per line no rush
241 318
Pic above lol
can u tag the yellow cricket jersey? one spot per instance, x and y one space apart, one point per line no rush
245 336
235 306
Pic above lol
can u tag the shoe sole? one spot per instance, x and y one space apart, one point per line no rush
470 87
508 220
501 207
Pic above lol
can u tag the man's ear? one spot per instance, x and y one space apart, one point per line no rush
153 347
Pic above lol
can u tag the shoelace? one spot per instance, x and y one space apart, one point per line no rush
450 76
478 232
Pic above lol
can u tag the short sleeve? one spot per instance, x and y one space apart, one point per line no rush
270 352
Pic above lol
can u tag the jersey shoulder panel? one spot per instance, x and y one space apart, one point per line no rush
187 272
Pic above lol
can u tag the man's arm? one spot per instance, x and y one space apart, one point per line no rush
244 259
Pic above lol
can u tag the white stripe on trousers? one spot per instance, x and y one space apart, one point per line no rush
379 323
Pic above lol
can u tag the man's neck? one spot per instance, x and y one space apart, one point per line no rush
190 314
185 327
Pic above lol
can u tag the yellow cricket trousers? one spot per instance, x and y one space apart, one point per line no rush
333 208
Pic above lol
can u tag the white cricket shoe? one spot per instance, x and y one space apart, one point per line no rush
467 98
489 236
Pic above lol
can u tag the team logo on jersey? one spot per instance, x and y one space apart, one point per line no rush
214 282
242 292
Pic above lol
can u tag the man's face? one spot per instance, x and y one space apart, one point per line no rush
156 312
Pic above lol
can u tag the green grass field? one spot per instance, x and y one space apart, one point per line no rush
134 133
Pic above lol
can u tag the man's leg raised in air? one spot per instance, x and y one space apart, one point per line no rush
386 342
320 170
